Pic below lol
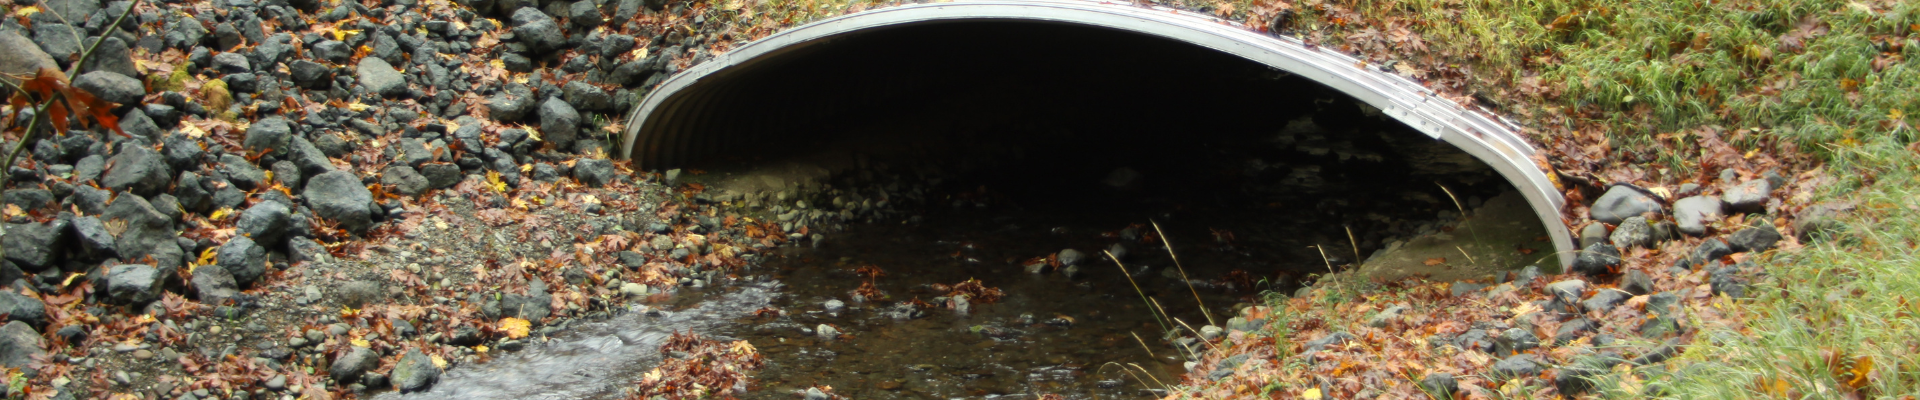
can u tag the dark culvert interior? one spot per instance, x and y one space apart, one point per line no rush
1000 142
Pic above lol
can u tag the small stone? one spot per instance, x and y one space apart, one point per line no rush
835 306
1329 340
1621 202
351 366
1071 257
826 332
1759 238
1709 250
380 77
1597 260
1439 385
633 289
1632 232
593 172
1574 329
1594 233
1386 317
1567 291
1604 300
414 373
1517 366
1637 283
1692 214
1514 341
1750 196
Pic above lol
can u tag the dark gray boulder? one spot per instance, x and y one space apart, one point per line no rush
380 77
339 196
146 229
415 372
215 285
22 308
559 123
404 180
593 172
1598 259
440 175
1758 238
538 31
270 133
1518 366
349 367
265 222
137 169
112 86
35 246
134 283
243 258
20 344
95 241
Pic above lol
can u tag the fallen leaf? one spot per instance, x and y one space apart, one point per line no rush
516 328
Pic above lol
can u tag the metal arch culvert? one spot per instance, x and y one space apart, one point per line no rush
659 132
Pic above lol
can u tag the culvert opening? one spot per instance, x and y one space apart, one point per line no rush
950 152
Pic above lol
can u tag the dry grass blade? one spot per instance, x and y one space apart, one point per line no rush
1157 316
1183 273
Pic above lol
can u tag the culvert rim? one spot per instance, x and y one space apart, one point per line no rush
1486 137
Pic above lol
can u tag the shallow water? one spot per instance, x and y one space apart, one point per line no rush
594 360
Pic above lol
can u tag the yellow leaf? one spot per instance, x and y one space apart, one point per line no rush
451 126
516 328
481 348
269 176
77 275
220 214
640 53
438 362
742 348
348 311
360 343
1862 366
493 181
526 168
1311 394
192 131
357 106
15 211
343 33
497 63
531 132
28 10
207 257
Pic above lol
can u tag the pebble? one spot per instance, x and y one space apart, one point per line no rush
143 354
